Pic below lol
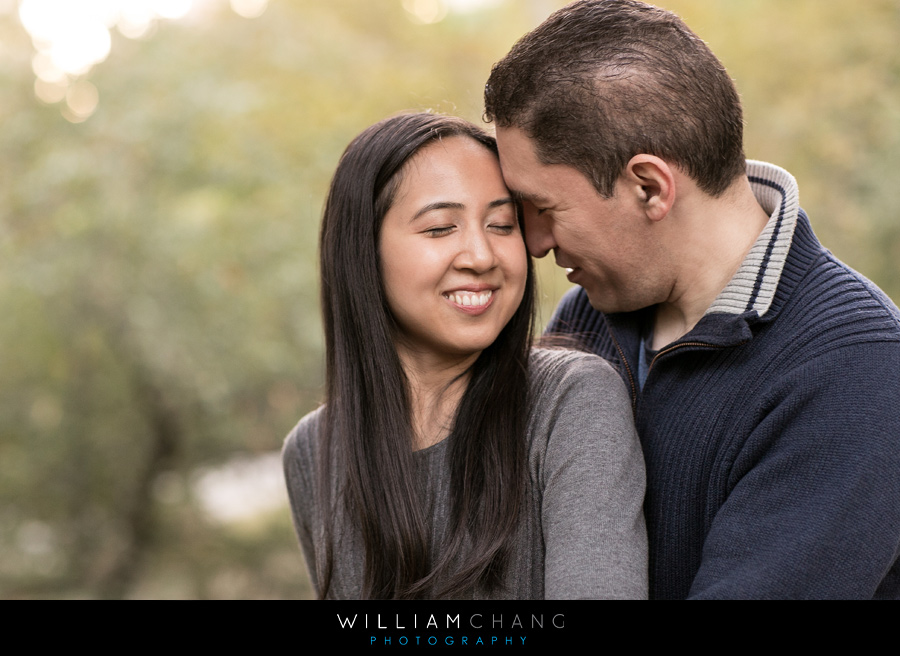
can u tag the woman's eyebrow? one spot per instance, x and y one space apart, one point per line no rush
447 205
500 201
440 205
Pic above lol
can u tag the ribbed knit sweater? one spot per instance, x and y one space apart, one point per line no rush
771 431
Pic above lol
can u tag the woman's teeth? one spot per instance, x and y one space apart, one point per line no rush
470 298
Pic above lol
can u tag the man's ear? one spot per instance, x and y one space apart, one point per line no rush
652 181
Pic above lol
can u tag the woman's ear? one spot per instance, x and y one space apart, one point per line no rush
652 181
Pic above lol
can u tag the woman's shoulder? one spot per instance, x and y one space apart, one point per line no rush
555 366
572 386
300 443
298 457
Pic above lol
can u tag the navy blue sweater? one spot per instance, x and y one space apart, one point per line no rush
771 431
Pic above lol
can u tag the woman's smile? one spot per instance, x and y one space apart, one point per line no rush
470 301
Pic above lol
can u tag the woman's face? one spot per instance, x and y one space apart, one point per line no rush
452 255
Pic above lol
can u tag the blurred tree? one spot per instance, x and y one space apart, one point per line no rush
820 83
158 280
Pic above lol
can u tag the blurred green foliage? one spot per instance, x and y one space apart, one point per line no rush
158 293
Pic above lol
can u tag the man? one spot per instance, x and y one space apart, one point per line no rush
765 374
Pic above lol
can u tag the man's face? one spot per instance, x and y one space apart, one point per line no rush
604 243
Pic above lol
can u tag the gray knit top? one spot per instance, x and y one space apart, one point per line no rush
581 531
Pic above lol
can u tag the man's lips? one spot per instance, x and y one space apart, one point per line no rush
561 261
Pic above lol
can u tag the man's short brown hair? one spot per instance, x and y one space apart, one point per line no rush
601 81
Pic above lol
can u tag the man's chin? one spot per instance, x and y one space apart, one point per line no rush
600 302
610 305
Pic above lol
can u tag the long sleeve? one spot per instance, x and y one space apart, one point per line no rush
591 477
814 507
299 462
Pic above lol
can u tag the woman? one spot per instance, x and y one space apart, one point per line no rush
450 460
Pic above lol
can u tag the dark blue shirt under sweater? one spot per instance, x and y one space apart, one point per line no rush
771 431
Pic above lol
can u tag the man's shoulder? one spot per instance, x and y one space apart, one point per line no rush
869 292
575 315
834 304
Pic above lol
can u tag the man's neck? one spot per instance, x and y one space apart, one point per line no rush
711 238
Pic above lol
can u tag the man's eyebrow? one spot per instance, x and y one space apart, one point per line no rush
521 196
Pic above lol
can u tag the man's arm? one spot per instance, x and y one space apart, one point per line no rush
814 503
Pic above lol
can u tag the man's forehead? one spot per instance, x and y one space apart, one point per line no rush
515 140
519 164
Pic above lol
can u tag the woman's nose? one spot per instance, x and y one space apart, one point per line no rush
477 252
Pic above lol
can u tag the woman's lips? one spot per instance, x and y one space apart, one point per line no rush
470 302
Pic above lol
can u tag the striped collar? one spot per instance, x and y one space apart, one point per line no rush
753 286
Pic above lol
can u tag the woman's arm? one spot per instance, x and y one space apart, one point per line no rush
299 462
592 477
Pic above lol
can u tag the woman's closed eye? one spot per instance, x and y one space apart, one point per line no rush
439 231
502 228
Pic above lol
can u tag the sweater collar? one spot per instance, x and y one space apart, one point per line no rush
765 278
753 287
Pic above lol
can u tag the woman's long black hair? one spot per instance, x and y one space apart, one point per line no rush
366 463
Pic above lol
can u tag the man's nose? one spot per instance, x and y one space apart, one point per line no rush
538 236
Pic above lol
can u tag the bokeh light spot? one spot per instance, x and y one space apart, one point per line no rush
75 51
50 92
43 66
249 8
426 11
466 6
74 35
81 101
172 9
137 18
